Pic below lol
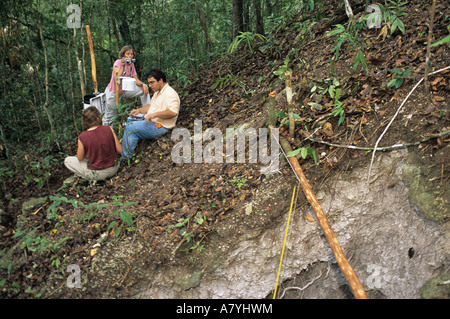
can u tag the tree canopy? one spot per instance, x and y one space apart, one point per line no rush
46 64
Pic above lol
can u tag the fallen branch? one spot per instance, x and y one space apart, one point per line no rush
40 208
342 261
184 239
121 280
395 115
385 148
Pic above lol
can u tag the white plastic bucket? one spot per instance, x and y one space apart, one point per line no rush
128 84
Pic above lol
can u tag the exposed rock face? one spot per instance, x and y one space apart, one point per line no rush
393 248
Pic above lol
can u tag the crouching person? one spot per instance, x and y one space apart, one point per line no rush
98 148
153 120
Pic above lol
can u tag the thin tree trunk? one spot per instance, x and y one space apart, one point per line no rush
259 18
50 119
272 115
72 88
430 37
204 26
110 10
82 48
290 104
2 136
238 21
116 34
349 11
269 7
80 70
256 7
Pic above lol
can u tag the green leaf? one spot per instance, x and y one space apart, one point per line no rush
331 91
360 58
339 29
399 83
341 120
401 26
111 225
337 48
441 41
336 82
312 153
304 152
278 72
337 94
281 114
395 71
182 223
199 220
397 23
294 152
127 219
394 26
391 83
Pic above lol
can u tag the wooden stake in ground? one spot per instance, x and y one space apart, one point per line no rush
91 50
342 261
272 115
116 83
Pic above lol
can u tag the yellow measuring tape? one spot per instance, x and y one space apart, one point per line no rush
284 243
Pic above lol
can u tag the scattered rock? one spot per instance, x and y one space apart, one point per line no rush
190 281
437 287
70 180
32 204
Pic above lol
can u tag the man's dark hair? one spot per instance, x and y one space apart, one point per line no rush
157 74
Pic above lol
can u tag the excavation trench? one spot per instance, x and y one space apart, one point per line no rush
392 245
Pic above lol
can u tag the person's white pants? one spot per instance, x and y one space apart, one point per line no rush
81 169
111 108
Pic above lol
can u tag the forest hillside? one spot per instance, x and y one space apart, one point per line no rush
343 92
